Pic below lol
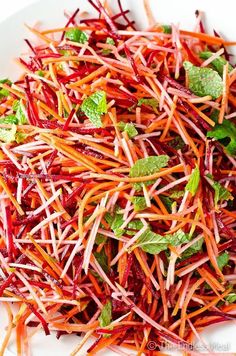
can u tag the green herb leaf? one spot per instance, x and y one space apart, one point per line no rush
196 247
101 257
154 243
167 29
217 64
8 136
231 298
178 238
148 101
167 201
133 227
94 107
10 119
115 221
100 239
177 143
193 182
139 203
147 166
151 242
4 93
222 260
221 193
105 317
176 194
204 81
18 107
129 128
109 41
226 134
76 35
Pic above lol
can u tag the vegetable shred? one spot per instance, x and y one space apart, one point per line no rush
117 184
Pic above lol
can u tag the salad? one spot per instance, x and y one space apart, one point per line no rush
117 184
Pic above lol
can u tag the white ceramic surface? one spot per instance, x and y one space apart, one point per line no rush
220 338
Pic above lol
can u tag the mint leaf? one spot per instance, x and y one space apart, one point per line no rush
8 136
217 64
177 143
225 131
178 238
139 203
100 239
4 92
196 247
109 41
18 107
154 243
203 81
147 166
221 193
105 317
21 137
10 119
167 29
94 107
193 182
129 128
148 101
115 221
176 194
101 257
151 242
76 35
133 227
222 260
167 201
231 298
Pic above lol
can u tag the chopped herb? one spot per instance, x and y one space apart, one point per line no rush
193 183
203 81
139 203
10 119
218 63
167 29
76 35
231 298
8 136
225 133
167 201
133 227
148 101
101 257
177 143
105 317
40 73
94 107
19 109
109 41
176 194
178 238
222 260
221 193
196 247
154 243
100 239
147 166
151 242
129 128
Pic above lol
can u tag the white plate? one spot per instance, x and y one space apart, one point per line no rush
221 338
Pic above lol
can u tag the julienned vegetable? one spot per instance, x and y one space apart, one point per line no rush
117 185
